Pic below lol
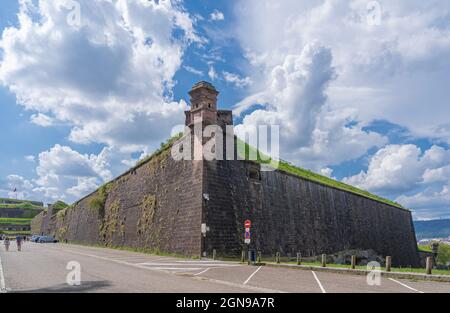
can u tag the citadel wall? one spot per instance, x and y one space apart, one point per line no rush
290 214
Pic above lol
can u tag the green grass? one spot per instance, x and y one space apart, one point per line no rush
23 205
164 146
424 248
306 174
59 205
15 233
15 221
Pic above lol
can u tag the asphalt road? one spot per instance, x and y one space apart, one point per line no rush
43 268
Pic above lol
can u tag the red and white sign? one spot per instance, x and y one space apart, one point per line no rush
248 224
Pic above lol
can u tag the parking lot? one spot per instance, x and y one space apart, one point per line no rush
108 270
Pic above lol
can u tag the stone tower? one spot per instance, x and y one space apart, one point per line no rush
204 107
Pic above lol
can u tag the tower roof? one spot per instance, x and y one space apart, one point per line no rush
203 84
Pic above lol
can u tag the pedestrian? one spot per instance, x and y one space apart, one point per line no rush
6 244
19 243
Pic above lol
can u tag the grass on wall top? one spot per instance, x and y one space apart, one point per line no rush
309 175
282 166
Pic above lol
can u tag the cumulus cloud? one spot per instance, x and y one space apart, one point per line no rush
419 180
312 134
384 70
108 77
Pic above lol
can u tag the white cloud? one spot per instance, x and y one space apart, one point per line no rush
312 134
212 73
216 15
192 70
328 172
109 78
41 120
63 173
23 187
235 79
383 71
419 180
30 158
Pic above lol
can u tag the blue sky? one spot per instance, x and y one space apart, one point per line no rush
360 95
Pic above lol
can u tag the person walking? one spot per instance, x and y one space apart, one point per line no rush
19 243
6 242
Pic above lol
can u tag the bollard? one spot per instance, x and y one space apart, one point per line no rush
429 265
259 257
299 259
388 263
277 258
324 260
243 256
353 262
214 254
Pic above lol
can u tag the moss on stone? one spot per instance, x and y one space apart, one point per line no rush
148 211
98 200
110 222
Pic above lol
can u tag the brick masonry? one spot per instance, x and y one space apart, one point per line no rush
290 214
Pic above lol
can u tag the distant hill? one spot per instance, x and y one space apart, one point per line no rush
432 229
16 215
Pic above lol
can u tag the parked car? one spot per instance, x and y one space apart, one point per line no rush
35 238
47 239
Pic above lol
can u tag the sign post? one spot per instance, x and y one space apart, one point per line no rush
247 236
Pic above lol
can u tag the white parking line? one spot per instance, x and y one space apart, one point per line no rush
318 282
404 285
202 272
248 279
186 264
178 268
2 278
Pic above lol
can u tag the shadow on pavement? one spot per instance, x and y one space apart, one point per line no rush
86 286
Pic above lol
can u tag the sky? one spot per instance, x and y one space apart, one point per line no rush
359 88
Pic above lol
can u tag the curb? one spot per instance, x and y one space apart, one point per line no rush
347 271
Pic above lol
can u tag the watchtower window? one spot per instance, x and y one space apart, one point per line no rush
254 173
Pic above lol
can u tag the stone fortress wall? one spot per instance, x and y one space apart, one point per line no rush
162 204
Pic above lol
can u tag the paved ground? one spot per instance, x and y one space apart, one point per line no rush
42 268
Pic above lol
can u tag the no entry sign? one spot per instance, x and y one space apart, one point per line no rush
248 224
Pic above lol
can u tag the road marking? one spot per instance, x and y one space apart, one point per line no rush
254 288
404 285
318 282
202 272
248 287
248 279
178 268
2 278
186 264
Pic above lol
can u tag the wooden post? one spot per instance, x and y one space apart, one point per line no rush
353 262
299 259
324 260
243 256
259 257
277 258
214 254
429 265
388 263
